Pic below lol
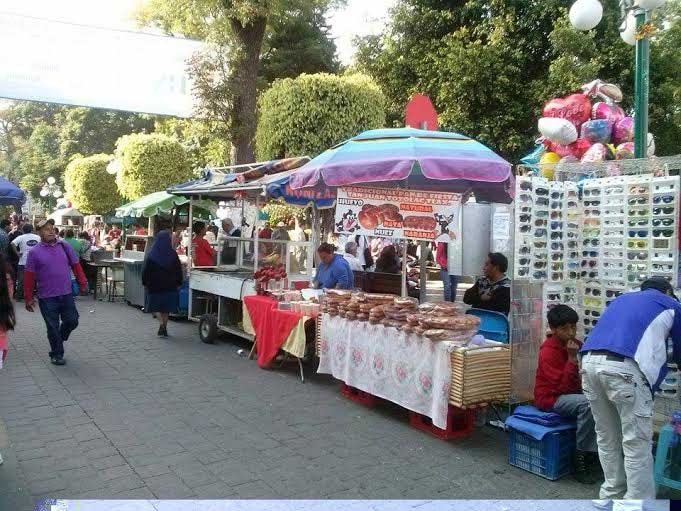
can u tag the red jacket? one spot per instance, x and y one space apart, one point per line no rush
556 374
202 252
441 255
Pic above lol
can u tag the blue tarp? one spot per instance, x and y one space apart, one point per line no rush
322 197
11 194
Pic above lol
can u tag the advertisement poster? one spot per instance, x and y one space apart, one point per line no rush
398 213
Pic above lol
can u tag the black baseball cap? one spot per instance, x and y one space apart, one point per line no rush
660 284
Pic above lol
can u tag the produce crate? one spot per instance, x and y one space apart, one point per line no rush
550 457
480 375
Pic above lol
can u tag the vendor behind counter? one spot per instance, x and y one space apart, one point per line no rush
334 271
492 291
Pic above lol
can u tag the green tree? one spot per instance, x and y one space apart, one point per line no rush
40 158
91 189
150 163
202 140
309 114
490 65
226 76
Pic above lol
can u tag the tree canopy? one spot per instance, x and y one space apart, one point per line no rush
489 66
89 187
309 114
242 35
149 163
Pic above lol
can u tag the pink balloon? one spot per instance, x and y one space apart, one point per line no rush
596 153
623 131
576 149
610 112
576 108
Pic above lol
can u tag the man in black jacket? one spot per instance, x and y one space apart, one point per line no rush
493 291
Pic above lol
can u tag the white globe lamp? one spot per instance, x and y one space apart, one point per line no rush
649 5
112 167
44 192
628 29
57 194
51 180
586 14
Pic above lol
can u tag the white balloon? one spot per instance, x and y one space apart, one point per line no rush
650 150
628 29
560 131
650 4
586 14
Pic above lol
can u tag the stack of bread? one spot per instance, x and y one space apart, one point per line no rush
441 322
335 301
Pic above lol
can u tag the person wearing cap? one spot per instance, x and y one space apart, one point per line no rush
280 233
624 360
49 265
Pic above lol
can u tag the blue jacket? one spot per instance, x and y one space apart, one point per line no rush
637 326
336 274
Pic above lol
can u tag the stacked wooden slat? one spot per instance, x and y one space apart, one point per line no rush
318 335
480 375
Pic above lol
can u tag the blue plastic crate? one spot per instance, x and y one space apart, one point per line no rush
550 457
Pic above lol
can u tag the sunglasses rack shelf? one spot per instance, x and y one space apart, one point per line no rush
565 293
609 234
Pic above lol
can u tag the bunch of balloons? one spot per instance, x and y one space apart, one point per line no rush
585 127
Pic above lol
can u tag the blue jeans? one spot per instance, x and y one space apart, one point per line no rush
61 317
451 283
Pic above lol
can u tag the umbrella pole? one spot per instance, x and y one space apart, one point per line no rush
423 275
404 268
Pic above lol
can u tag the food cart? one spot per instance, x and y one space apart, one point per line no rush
157 207
412 184
216 293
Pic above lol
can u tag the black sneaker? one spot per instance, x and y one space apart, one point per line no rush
163 332
58 361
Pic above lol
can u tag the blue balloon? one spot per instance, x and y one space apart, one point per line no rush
533 158
597 131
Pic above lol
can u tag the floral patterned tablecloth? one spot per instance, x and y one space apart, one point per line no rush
404 368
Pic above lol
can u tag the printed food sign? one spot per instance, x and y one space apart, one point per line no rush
397 213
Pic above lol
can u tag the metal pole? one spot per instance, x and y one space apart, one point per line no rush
404 268
423 273
642 83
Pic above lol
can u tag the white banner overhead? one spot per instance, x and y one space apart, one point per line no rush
73 64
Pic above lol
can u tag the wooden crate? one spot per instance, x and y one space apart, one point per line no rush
480 375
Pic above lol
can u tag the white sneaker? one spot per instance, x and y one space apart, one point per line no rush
603 505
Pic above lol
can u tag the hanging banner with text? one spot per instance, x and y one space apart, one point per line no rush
398 213
65 63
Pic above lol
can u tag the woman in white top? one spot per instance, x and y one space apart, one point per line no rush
350 256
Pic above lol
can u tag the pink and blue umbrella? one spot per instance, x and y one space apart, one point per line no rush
422 159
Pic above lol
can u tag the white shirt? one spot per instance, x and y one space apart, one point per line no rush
24 244
354 263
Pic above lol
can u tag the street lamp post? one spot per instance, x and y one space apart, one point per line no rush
636 15
50 189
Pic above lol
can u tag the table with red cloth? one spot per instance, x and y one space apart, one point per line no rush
272 326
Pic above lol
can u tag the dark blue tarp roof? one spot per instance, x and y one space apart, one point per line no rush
11 194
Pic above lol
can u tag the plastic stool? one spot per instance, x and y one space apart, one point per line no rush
662 461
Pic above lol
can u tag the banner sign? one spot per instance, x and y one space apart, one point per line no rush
398 213
322 196
73 64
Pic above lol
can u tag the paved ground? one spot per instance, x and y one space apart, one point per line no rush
135 416
345 505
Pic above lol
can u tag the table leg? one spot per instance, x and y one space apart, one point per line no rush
250 355
96 283
300 365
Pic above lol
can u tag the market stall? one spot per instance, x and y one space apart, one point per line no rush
11 194
407 184
160 210
217 292
68 218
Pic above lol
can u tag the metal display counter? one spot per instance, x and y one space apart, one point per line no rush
132 257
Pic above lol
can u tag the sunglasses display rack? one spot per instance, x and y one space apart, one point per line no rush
610 234
565 293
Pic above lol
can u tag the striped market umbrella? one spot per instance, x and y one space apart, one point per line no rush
423 159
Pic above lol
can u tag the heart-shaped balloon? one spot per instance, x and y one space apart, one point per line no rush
560 131
625 151
612 113
576 108
597 130
623 131
576 149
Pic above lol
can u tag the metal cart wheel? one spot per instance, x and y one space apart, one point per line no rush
208 328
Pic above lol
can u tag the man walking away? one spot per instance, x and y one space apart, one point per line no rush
22 245
49 265
624 361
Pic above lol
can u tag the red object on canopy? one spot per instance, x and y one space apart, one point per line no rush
420 113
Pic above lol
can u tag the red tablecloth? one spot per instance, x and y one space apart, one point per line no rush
272 326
